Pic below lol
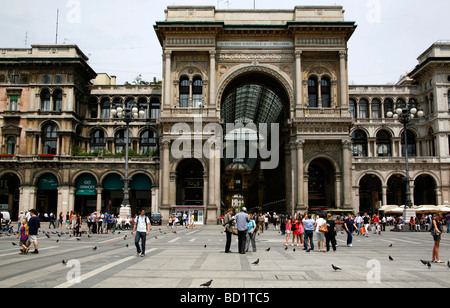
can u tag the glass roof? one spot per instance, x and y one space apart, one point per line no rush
252 104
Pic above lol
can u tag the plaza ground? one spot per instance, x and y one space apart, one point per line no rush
188 258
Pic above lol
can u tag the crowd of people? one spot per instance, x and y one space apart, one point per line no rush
303 230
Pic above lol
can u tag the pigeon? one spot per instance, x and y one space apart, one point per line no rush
207 284
424 262
256 262
390 258
64 262
14 244
429 264
286 248
46 234
78 239
336 268
204 246
293 250
268 249
448 263
126 245
95 248
57 241
390 245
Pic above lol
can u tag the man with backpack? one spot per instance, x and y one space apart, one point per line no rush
142 229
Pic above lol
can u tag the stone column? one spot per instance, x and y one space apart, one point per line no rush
300 198
347 157
298 77
212 78
165 174
384 192
167 78
343 77
99 200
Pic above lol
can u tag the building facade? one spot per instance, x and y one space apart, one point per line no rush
254 108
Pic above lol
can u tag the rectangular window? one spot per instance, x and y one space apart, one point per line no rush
14 103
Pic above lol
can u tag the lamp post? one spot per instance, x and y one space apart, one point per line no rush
127 114
405 113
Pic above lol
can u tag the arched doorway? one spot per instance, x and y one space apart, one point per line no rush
425 190
9 194
370 194
396 190
321 184
189 194
254 107
112 194
85 194
47 194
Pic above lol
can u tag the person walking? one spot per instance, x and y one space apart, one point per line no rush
320 235
366 220
288 230
251 225
228 221
23 237
242 220
350 226
436 231
309 231
330 236
33 228
359 220
142 229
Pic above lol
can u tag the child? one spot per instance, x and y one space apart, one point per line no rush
23 237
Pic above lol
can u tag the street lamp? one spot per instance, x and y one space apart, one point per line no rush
405 113
127 114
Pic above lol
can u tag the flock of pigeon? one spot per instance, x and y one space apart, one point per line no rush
334 267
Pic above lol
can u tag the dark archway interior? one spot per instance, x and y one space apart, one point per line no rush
252 99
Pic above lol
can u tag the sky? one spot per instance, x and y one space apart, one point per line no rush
119 39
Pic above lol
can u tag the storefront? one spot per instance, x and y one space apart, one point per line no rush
197 211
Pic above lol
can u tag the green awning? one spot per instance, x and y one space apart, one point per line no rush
113 182
48 182
141 182
86 185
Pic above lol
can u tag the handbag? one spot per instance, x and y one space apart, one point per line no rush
323 228
234 230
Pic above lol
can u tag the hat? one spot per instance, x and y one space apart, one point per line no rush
244 209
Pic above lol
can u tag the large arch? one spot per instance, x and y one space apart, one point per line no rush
253 95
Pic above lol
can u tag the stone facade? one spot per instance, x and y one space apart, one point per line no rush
61 148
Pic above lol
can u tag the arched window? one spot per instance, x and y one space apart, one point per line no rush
11 145
119 141
376 108
197 92
313 92
98 141
388 106
57 100
45 100
363 109
147 143
93 108
411 143
105 107
184 92
359 147
49 139
448 100
143 105
352 108
155 105
384 144
325 93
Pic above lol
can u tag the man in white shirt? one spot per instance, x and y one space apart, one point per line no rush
141 228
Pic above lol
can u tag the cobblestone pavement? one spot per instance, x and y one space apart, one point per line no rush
188 258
